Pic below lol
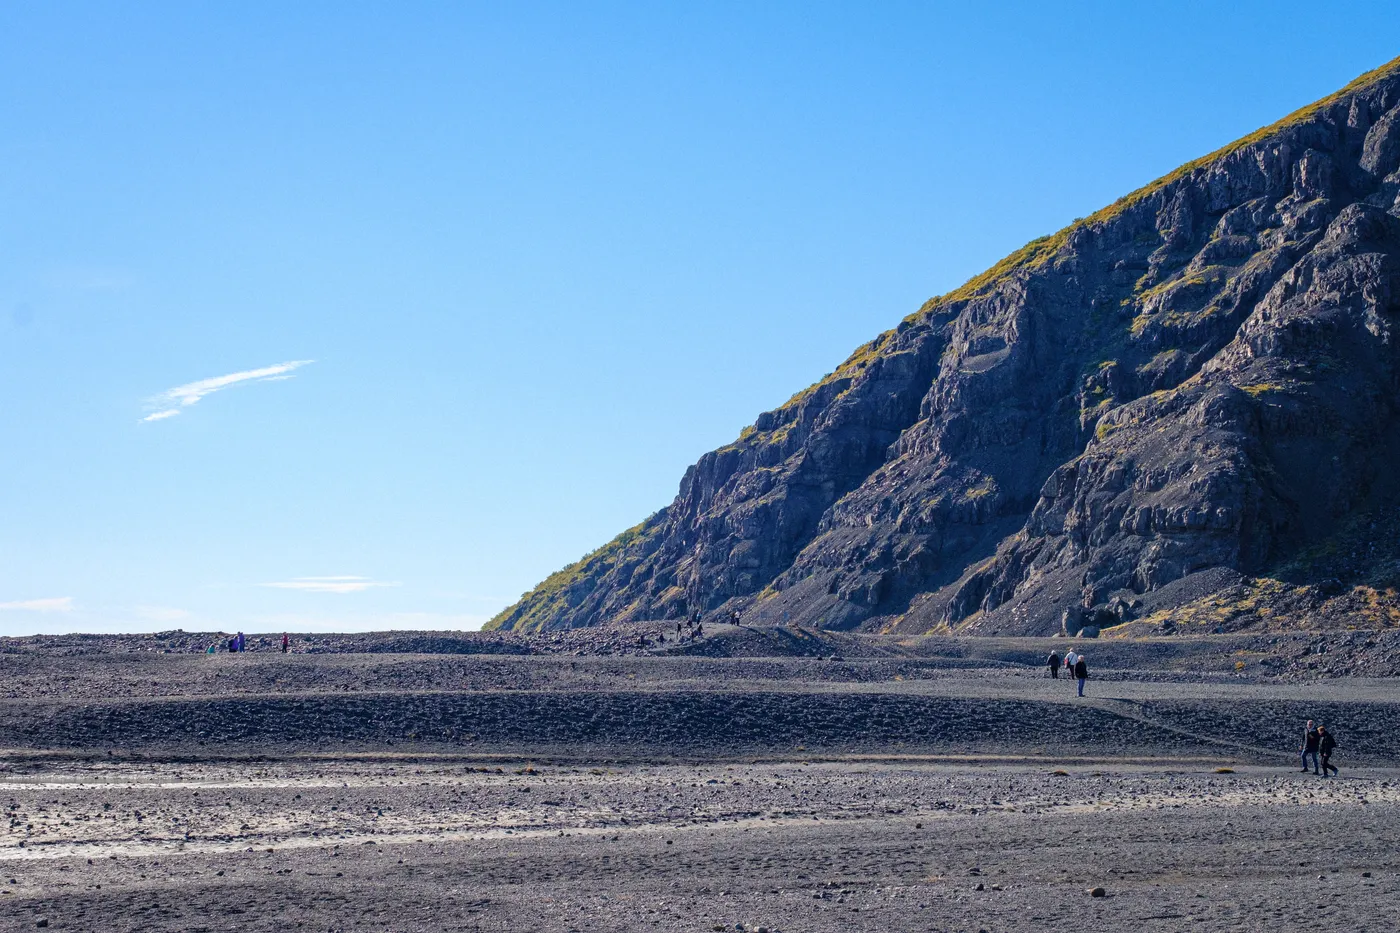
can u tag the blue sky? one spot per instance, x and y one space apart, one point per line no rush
444 295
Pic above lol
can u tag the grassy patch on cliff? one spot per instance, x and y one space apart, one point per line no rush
1039 251
567 587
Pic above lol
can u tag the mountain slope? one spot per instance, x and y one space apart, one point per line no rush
1195 383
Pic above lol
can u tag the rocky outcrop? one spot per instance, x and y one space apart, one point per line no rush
1198 378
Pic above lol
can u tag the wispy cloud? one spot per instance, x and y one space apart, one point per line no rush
171 402
55 604
329 584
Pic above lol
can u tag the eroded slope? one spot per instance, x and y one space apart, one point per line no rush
1199 379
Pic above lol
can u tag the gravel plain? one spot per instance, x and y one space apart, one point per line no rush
382 791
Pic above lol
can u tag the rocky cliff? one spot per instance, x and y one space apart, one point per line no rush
1191 391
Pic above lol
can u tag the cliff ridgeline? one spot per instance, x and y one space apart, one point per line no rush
1181 410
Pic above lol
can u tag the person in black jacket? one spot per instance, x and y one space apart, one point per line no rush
1081 673
1310 743
1326 743
1054 662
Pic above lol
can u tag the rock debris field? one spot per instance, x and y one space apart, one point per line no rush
383 791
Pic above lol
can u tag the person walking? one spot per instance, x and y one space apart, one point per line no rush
1081 672
1070 657
1311 741
1326 744
1054 662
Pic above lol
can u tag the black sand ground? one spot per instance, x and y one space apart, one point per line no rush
418 792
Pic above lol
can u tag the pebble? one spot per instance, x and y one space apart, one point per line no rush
1097 892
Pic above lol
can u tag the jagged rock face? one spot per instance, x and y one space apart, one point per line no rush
1200 377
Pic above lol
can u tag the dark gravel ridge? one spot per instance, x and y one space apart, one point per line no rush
1296 655
661 725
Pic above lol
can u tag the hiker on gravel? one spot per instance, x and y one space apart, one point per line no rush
286 643
1081 672
1070 657
1311 741
1054 662
1326 744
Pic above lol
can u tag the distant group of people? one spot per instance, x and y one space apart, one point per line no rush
239 643
1317 747
691 629
1317 741
1072 663
733 617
